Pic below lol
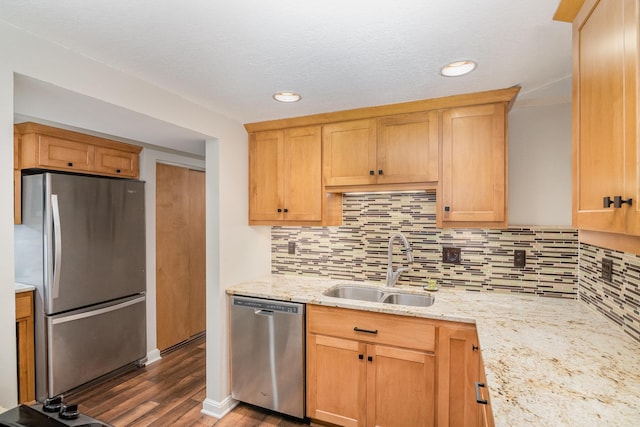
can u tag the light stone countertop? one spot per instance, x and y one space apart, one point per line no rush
549 362
20 287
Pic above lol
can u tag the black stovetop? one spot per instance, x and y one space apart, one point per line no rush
34 416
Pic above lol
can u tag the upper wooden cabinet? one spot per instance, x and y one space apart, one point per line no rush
46 147
473 185
456 145
606 179
37 146
285 179
399 149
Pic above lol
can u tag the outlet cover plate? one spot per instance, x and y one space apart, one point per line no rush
292 248
450 255
519 258
607 269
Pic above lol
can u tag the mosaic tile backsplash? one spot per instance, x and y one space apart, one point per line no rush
357 250
619 299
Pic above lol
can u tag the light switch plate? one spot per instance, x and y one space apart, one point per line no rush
292 248
607 269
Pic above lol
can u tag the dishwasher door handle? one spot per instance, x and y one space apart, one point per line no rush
264 312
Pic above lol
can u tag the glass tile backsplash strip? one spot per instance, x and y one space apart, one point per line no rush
357 250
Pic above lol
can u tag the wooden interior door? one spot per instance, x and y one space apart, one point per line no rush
179 254
197 251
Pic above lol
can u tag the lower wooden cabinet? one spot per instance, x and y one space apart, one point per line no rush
460 372
25 344
362 380
375 369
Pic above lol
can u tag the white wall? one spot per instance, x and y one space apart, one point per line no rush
540 165
235 252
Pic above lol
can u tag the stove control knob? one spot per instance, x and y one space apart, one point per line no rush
69 412
52 404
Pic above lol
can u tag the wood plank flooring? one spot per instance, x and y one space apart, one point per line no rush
167 392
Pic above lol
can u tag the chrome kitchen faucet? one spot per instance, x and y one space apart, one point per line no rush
392 276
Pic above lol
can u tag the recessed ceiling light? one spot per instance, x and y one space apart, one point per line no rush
286 97
458 68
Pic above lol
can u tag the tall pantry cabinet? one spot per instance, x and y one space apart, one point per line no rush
606 157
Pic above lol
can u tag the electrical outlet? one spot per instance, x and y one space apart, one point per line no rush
607 269
292 248
450 255
519 258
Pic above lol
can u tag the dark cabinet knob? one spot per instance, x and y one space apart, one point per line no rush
361 356
606 202
70 164
118 170
447 208
379 171
618 202
372 173
279 210
370 358
286 210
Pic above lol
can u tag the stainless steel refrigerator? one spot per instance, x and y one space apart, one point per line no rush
82 245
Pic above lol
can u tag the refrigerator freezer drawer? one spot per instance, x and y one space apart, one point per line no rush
85 344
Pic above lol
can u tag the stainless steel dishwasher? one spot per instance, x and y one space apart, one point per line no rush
267 354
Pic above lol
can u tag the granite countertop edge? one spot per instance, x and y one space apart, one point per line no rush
21 287
548 361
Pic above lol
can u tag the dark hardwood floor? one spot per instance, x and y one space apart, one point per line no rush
167 392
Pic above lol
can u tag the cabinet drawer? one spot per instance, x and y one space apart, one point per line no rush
24 305
395 330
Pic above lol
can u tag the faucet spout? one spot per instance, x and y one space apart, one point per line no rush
394 275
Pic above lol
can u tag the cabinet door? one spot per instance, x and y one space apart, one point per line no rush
336 380
302 174
599 154
349 153
458 371
400 387
474 153
266 153
65 155
116 162
407 148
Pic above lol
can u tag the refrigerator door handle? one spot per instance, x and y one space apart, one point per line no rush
97 312
57 243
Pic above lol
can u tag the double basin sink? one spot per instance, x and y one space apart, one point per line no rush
384 295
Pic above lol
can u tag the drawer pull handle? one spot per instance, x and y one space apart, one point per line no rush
366 331
479 398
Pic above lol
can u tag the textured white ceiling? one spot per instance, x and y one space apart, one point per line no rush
232 55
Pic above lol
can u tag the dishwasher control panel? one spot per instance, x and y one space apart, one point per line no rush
270 305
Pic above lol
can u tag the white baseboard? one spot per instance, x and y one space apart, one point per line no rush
153 356
218 409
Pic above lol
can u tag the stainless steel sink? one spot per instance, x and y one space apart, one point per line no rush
387 296
355 292
414 300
